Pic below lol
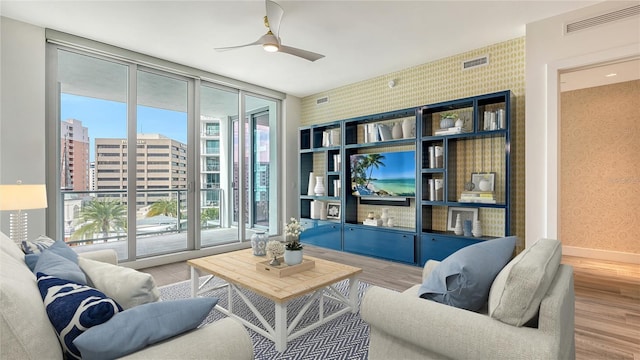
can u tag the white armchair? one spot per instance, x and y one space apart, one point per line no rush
404 326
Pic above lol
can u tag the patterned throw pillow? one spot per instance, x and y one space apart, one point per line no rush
37 246
73 308
59 247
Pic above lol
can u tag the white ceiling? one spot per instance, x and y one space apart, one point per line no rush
360 39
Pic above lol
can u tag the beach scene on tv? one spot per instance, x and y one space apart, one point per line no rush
384 174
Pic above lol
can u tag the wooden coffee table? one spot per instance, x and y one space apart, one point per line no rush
238 269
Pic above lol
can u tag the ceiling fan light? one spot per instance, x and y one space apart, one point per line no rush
270 47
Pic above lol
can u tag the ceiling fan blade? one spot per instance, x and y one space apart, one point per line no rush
274 14
308 55
260 41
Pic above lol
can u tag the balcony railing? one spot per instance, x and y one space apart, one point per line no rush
100 217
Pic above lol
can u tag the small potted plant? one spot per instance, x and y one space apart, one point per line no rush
293 247
448 119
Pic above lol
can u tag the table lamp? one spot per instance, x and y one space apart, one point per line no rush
21 197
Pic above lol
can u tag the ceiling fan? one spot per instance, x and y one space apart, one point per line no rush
271 40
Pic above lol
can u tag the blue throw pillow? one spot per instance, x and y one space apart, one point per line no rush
59 247
464 278
72 308
53 264
143 325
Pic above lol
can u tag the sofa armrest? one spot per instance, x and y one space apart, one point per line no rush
448 331
107 256
224 339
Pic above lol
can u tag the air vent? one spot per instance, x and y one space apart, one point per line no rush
474 63
602 19
322 100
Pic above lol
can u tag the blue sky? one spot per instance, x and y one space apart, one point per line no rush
108 119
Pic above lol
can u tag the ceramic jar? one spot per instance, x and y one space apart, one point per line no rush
396 131
385 216
408 128
259 243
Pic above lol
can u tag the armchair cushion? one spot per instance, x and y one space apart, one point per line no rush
518 289
72 308
136 328
464 278
128 287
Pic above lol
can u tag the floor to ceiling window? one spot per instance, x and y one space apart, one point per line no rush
133 146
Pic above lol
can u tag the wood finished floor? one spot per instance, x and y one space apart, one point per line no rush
607 315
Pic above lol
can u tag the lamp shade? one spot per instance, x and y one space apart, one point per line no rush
23 197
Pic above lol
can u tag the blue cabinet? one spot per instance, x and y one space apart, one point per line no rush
327 234
438 247
380 242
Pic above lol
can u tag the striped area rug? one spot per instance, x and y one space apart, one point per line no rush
346 337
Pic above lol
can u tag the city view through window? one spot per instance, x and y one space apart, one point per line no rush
98 155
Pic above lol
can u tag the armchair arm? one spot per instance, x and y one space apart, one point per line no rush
224 339
445 331
107 256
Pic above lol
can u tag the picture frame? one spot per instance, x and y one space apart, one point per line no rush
476 177
465 213
333 210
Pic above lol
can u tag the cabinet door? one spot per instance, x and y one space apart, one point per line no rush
434 247
327 234
390 245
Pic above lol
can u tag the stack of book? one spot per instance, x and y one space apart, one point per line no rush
373 222
451 131
484 197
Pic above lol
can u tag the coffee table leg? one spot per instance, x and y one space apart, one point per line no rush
281 327
195 281
353 294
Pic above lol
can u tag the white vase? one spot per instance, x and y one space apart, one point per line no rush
458 229
319 188
477 229
312 184
391 222
292 257
408 128
385 216
396 131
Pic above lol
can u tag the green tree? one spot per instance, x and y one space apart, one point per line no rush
102 216
166 207
209 214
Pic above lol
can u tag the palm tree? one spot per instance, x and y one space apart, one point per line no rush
101 216
166 207
372 161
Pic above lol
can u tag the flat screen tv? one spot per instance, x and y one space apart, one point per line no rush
384 175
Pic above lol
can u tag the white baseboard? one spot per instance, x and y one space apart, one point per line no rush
601 254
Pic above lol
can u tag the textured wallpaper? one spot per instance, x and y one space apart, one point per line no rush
600 167
434 82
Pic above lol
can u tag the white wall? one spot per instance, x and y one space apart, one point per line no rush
290 154
22 114
548 51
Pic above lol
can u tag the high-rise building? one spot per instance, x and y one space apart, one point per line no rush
161 164
74 155
210 160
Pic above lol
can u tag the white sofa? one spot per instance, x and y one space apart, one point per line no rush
26 332
404 326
